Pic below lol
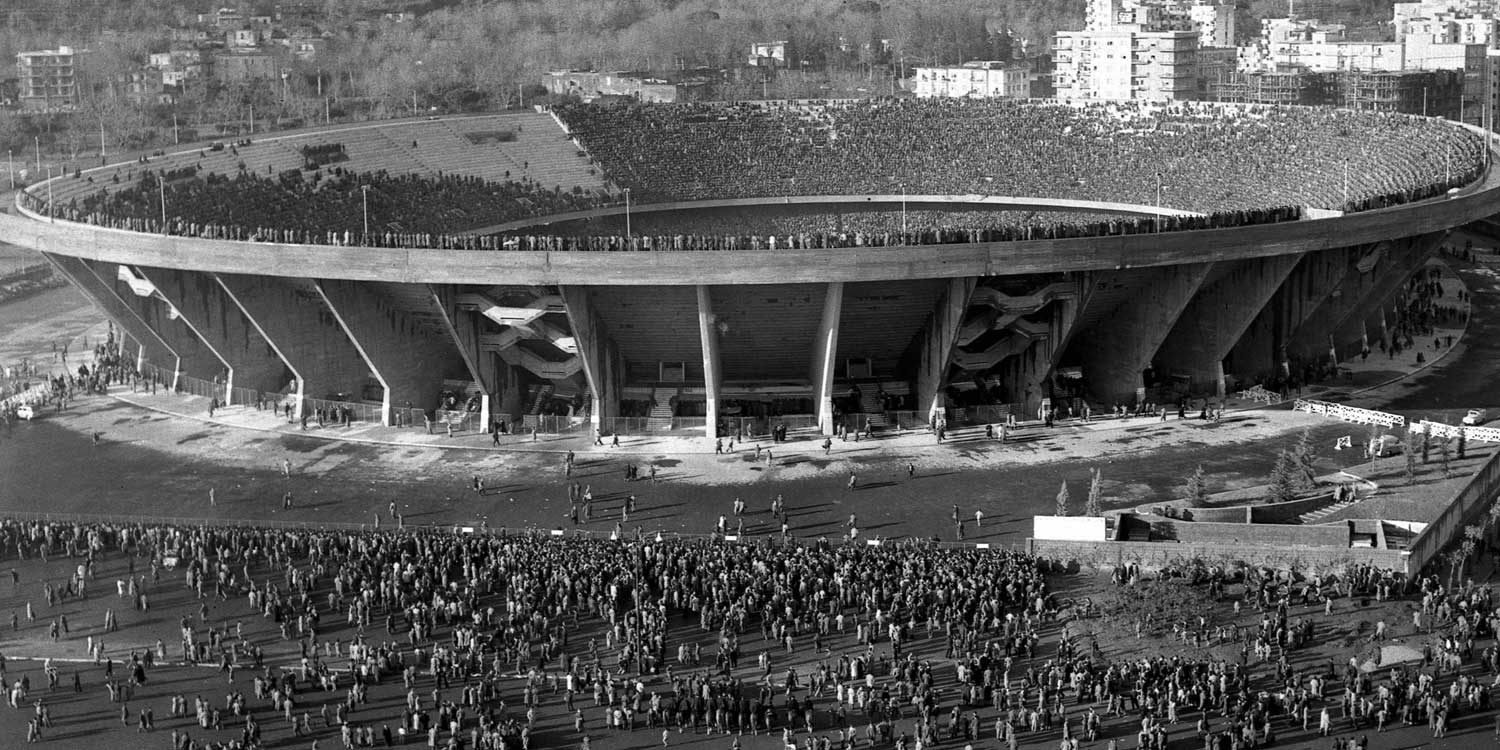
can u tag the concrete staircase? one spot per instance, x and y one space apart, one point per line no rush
541 366
874 411
539 397
660 418
1005 309
508 316
1317 516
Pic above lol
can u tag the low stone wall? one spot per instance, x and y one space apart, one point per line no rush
1281 535
1155 555
1286 512
1290 511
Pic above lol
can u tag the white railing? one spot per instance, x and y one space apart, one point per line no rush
1349 413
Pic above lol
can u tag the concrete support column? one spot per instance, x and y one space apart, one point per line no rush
299 392
211 311
1116 350
1218 315
393 329
935 344
462 327
150 346
602 365
177 296
825 356
344 321
1363 296
708 331
298 325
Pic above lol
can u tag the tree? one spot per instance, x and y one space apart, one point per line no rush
1426 444
1463 442
1062 500
1094 505
1445 455
1195 491
1304 455
1284 478
1411 456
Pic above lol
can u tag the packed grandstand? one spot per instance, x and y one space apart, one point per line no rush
1235 166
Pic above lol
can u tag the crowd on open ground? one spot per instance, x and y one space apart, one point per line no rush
1237 166
492 636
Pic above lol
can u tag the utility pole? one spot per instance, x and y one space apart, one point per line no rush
364 193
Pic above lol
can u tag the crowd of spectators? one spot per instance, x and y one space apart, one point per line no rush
1234 165
887 232
837 639
1204 157
318 207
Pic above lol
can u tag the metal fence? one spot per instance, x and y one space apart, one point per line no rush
459 420
1448 527
151 373
200 387
402 416
244 396
333 411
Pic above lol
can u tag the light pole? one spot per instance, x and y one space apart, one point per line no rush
49 192
627 212
364 195
1156 226
10 160
903 207
161 187
38 141
1346 184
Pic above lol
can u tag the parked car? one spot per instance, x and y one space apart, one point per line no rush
1476 417
24 411
1385 445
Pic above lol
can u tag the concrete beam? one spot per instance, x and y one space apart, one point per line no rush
463 329
1117 349
178 297
603 366
300 327
708 332
244 305
366 354
150 346
825 356
935 344
408 357
1218 315
1361 296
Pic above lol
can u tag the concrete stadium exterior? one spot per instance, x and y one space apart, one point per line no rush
700 338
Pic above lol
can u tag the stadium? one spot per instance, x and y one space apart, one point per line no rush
732 268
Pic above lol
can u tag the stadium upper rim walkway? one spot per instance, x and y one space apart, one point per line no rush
1478 200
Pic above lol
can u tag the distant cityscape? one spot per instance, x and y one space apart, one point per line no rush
1443 59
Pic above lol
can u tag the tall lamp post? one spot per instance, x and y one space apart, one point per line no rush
903 208
1157 224
364 196
627 212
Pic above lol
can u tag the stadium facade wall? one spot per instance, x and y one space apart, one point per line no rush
1217 317
194 358
410 361
200 300
296 320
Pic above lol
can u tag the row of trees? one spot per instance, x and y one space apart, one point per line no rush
471 56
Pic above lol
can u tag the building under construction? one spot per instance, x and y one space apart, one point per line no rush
1420 92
